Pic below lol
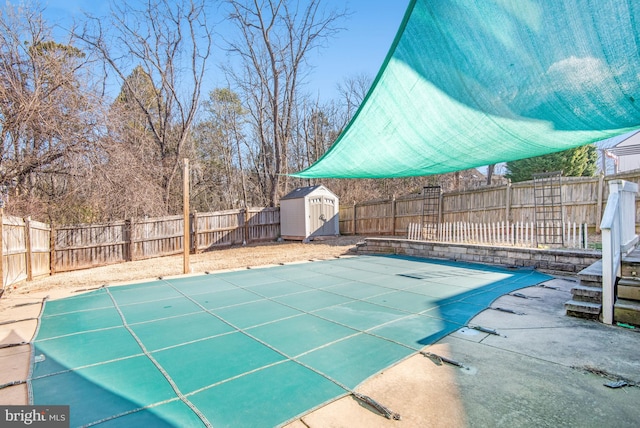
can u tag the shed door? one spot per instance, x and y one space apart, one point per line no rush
321 212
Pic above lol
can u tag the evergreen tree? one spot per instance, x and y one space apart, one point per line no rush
577 162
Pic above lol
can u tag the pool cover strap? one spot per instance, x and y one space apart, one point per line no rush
439 359
368 400
379 407
179 394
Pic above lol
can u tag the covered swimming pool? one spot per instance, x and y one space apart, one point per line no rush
254 347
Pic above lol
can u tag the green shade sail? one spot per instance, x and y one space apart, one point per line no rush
469 83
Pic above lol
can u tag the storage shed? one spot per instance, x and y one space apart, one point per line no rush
308 212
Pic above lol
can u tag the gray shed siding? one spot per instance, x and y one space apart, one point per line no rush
293 219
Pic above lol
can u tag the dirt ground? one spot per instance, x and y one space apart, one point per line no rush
253 255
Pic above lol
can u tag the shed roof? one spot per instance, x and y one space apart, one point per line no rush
301 192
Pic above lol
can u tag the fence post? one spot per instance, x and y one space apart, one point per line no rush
27 244
1 251
393 215
128 238
194 231
246 218
186 235
52 249
355 220
599 202
507 207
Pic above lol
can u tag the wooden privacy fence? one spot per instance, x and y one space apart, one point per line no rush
25 249
583 202
501 233
31 249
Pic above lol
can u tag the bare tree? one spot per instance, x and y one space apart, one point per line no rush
169 42
490 170
123 182
220 140
317 128
275 38
353 90
49 117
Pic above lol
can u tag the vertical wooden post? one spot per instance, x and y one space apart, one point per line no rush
440 207
185 206
27 244
1 251
508 202
599 201
246 219
52 249
393 216
194 231
242 218
355 220
128 240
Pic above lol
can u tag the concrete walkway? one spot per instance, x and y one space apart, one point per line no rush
542 369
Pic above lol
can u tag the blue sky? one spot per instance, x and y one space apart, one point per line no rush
365 42
360 48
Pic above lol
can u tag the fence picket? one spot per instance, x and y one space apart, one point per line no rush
67 248
521 234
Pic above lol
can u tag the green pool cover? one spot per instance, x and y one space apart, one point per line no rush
250 348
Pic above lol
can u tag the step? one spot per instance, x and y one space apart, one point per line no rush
627 311
630 265
629 288
630 270
587 283
579 309
633 256
584 293
591 275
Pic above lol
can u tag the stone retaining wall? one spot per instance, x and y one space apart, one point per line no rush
553 261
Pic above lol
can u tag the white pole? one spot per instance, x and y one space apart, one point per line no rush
586 237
